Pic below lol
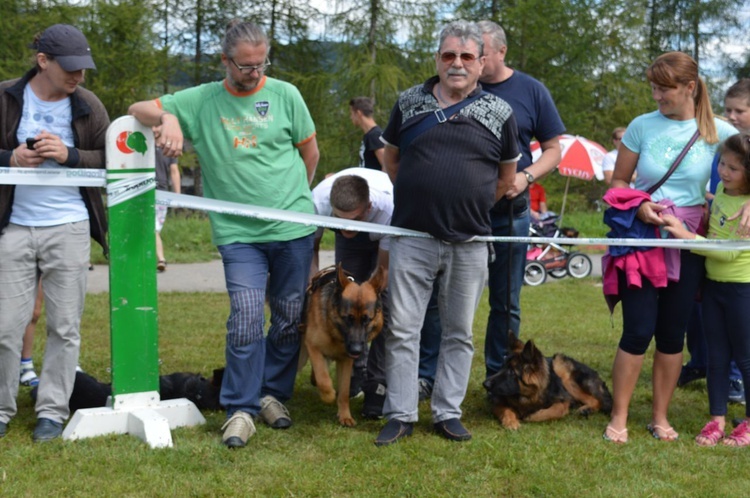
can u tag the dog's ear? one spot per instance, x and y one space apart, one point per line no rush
218 377
514 345
379 279
530 352
343 279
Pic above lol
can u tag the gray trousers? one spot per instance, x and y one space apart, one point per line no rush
461 271
60 256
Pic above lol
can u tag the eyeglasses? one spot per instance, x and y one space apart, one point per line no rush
249 69
466 57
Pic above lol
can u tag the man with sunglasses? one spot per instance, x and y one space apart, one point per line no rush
48 121
451 151
255 141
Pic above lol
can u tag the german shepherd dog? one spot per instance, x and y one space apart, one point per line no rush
339 317
534 388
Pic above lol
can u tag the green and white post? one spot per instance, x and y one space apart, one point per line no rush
135 406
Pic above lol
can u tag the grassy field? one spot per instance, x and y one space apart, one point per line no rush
317 457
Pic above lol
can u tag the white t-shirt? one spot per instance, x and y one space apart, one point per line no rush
608 163
42 206
381 198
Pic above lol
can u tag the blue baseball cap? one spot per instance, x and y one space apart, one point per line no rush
67 45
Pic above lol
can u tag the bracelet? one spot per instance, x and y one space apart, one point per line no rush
15 159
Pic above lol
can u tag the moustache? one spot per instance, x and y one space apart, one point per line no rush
457 72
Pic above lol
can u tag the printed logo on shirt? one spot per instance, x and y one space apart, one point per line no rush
245 142
262 107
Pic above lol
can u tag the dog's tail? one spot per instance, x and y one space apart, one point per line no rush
606 399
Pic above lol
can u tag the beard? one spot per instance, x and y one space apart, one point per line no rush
245 85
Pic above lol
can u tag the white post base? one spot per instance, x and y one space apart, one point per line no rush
140 414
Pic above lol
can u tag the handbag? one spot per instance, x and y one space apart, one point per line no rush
676 163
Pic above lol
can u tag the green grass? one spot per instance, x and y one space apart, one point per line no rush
588 223
317 457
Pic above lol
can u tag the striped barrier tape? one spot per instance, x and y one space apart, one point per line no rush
94 178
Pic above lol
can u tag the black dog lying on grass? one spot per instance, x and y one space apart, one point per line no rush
204 393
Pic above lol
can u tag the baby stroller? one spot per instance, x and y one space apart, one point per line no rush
553 259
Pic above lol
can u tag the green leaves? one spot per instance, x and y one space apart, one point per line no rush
137 142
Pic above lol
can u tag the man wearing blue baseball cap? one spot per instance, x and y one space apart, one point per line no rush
48 121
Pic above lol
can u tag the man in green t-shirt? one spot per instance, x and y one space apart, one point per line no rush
256 144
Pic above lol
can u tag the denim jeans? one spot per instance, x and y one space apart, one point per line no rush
61 253
258 366
429 344
415 265
501 318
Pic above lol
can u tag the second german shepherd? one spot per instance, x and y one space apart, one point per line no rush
533 388
339 318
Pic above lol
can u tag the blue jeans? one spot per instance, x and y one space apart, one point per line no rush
429 343
415 265
501 319
725 307
258 366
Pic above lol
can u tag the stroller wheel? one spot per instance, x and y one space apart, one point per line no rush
558 272
534 274
579 265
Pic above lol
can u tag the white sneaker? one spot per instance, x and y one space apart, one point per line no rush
274 413
238 429
29 377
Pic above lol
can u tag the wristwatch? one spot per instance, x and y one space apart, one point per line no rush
529 176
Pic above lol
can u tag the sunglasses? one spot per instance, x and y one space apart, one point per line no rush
466 57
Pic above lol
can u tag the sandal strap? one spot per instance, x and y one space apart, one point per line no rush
612 434
710 434
663 433
740 436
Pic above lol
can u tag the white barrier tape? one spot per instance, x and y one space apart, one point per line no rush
704 244
131 187
186 201
123 190
58 177
171 199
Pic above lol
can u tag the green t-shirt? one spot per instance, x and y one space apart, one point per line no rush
247 148
726 266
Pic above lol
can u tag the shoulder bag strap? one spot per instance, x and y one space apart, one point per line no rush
676 163
439 116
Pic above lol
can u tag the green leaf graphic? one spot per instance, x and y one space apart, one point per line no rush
137 142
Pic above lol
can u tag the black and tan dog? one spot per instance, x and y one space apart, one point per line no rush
88 392
339 318
534 388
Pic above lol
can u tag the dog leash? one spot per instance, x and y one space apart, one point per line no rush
508 284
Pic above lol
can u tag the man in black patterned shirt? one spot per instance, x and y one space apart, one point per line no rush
451 152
